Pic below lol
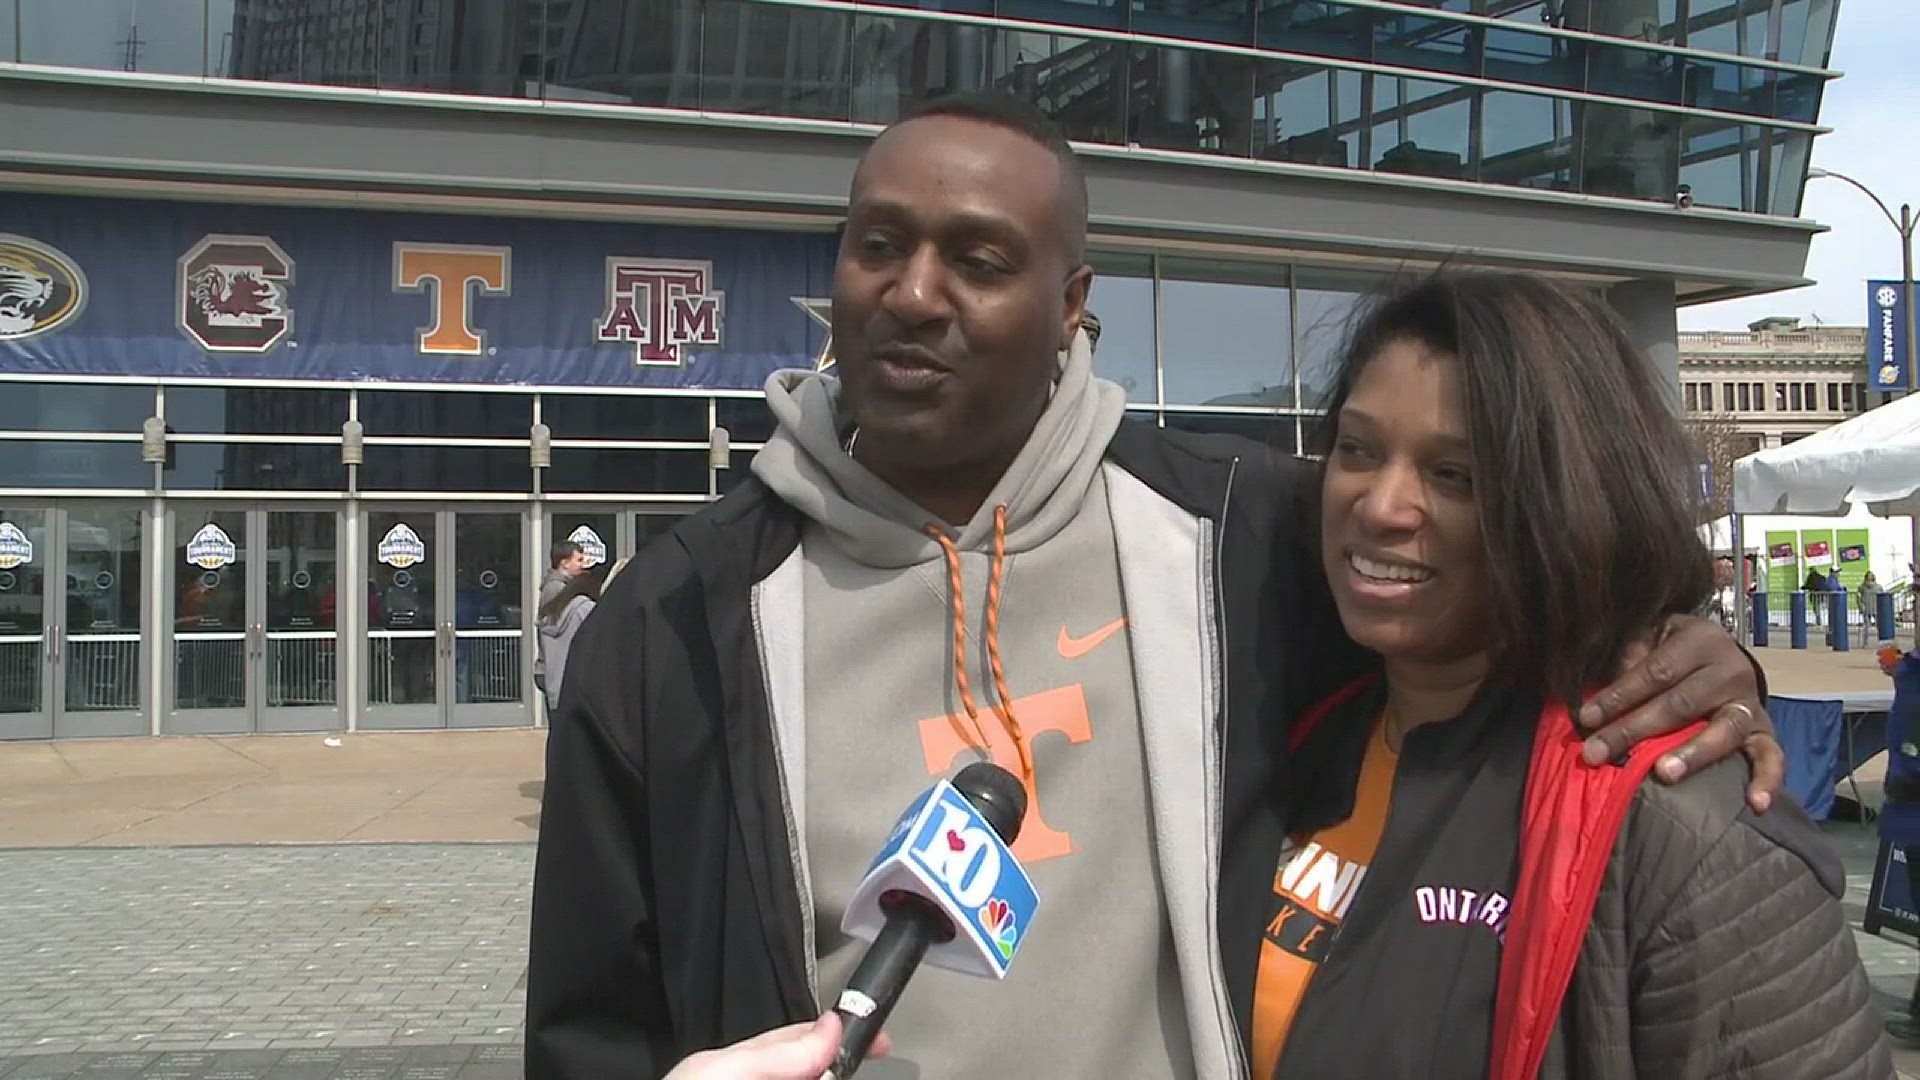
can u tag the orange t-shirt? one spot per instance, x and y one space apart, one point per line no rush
1315 885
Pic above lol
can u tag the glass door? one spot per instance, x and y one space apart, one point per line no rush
213 643
404 646
490 616
26 653
595 529
448 607
298 581
98 662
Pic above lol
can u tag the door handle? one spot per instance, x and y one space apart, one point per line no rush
259 637
58 638
52 649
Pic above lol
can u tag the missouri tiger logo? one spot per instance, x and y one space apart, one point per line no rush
41 289
234 294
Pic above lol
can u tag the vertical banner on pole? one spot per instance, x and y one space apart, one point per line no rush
1783 563
1886 335
1850 557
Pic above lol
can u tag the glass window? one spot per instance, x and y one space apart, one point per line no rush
33 406
1624 71
63 464
1318 29
1794 396
1224 333
637 52
1806 32
1526 140
1693 398
10 52
1203 103
1719 165
430 413
1306 114
1796 96
629 471
896 62
110 35
1278 432
1846 396
1410 39
1833 397
1788 183
447 468
1421 128
1738 27
1122 299
1231 23
1535 59
1746 399
247 410
1726 397
254 466
1779 397
1627 152
1070 78
1813 398
1107 14
1729 87
624 416
1759 397
746 419
787 61
1325 302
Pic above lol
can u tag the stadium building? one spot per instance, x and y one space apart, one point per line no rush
321 319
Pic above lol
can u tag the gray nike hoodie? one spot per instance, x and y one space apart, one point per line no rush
888 699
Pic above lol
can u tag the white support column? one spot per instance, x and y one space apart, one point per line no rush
155 640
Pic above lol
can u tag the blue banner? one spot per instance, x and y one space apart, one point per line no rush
93 287
1887 335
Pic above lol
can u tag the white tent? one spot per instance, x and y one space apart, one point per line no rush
1873 458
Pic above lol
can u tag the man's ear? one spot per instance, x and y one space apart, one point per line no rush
1079 283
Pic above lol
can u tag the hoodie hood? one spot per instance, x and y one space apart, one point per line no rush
877 526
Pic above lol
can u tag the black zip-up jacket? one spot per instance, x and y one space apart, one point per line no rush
667 913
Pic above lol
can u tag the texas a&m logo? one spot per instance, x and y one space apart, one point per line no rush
232 294
660 306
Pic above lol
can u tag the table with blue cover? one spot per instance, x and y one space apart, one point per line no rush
1825 740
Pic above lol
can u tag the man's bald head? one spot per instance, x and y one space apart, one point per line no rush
1017 115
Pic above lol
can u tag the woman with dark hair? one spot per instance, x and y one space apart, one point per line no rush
558 619
1507 505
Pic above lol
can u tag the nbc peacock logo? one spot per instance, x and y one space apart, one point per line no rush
999 922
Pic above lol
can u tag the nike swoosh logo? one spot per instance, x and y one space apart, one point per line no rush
1073 648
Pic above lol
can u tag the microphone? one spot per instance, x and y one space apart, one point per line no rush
944 889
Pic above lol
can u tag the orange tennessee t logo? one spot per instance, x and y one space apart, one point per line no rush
444 271
1063 711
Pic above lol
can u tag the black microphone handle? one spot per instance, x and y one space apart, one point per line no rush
912 926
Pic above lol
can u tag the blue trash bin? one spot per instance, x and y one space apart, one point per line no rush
1797 619
1839 633
1759 621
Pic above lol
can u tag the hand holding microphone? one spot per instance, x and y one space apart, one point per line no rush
946 889
794 1052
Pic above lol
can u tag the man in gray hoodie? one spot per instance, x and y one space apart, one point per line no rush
957 548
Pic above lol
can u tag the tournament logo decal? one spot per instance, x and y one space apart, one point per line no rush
15 548
233 294
211 548
41 289
401 547
591 546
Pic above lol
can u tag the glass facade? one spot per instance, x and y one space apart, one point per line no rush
1624 98
1211 345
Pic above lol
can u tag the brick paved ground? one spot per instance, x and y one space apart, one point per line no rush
353 962
312 957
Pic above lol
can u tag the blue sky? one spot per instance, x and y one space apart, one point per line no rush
1874 110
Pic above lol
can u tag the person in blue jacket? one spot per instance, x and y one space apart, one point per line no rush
1900 817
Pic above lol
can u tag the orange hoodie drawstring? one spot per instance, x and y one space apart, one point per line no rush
1003 707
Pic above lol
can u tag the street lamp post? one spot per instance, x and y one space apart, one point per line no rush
1904 225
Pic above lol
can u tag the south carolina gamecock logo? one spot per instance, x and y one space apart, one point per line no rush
234 294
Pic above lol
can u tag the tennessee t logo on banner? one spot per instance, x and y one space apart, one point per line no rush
444 271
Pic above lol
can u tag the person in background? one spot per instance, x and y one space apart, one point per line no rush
1460 894
558 620
565 562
